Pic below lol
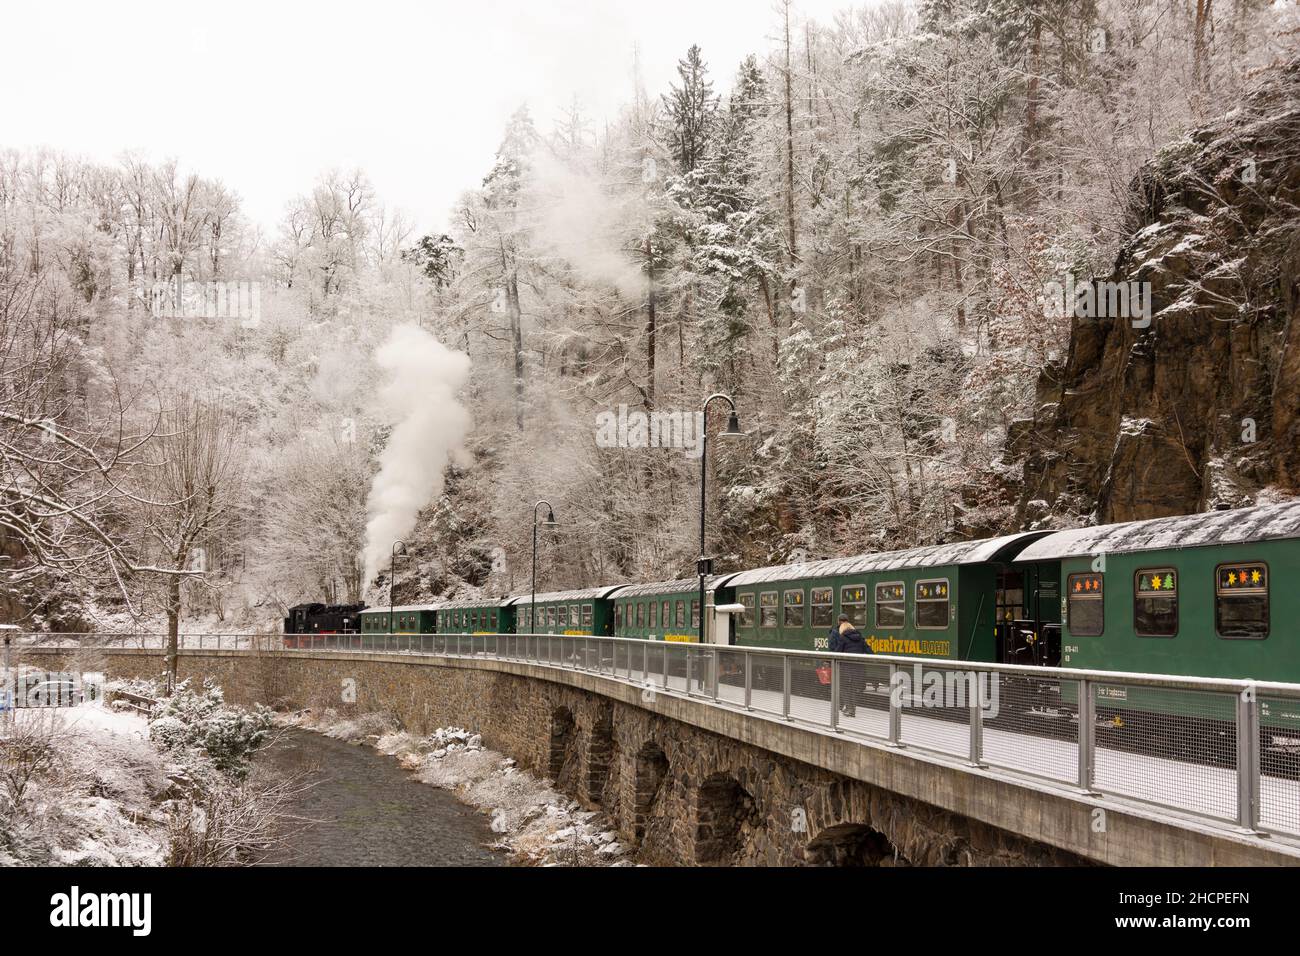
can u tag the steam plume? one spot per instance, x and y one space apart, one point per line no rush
429 426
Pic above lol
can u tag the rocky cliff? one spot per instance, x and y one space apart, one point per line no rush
1201 407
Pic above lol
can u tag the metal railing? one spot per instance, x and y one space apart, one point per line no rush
1226 751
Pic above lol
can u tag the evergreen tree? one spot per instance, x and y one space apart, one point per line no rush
692 112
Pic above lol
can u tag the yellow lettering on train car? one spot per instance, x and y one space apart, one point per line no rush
682 638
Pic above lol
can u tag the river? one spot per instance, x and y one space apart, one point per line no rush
365 810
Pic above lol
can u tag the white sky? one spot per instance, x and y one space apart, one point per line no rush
266 95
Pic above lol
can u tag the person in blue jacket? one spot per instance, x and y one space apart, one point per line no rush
847 639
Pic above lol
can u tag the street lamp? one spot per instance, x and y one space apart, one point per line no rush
549 523
399 547
705 566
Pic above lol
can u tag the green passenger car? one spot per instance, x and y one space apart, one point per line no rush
942 601
665 610
484 616
582 612
403 619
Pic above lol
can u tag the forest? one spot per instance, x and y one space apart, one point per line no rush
849 233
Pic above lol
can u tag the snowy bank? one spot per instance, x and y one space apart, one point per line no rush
537 824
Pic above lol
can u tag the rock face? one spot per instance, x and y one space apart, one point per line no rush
1202 405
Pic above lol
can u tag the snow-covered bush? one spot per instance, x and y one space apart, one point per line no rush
191 722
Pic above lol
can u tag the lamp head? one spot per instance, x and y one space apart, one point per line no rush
733 425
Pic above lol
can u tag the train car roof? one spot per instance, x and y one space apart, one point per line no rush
680 586
931 556
581 594
1236 526
476 602
384 609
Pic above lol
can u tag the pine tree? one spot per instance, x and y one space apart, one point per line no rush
692 112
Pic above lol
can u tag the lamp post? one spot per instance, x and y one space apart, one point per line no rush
399 547
550 523
705 566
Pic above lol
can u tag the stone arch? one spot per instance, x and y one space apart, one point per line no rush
563 731
651 771
600 754
853 844
722 807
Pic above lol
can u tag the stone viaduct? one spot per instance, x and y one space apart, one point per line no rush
692 783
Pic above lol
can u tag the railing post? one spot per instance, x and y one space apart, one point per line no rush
1248 783
977 721
666 644
715 661
1087 734
895 710
749 680
835 697
688 671
785 686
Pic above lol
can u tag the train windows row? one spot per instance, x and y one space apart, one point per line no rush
559 615
654 614
1240 602
890 606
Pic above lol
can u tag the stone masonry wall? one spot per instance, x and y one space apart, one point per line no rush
685 795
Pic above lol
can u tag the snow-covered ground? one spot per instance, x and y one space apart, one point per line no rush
94 806
537 824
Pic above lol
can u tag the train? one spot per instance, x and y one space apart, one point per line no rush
1204 595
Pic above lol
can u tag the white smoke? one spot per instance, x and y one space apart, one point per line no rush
423 378
581 222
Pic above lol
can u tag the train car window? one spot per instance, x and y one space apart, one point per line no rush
794 608
681 613
747 615
891 604
767 609
666 615
654 614
618 615
574 617
640 614
853 604
932 603
586 615
1086 605
823 606
695 614
1241 601
562 616
550 616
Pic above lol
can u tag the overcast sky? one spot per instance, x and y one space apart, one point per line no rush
266 95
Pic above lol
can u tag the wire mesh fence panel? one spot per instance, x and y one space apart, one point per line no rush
675 666
1176 748
1279 764
935 706
701 670
767 683
731 676
655 666
864 698
810 690
1031 725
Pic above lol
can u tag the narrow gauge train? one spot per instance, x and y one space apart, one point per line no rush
1206 595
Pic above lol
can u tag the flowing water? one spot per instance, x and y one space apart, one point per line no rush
365 810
